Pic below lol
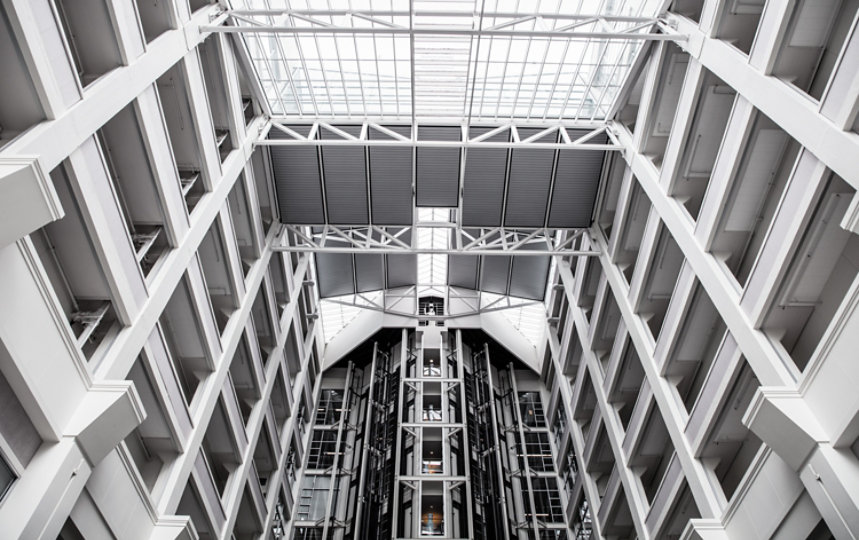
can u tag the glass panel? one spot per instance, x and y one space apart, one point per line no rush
7 477
460 69
432 516
531 408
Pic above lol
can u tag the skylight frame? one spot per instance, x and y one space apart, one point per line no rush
510 64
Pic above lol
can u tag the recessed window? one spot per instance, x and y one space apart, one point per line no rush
7 478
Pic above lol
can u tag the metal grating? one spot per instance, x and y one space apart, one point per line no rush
402 270
574 191
528 277
529 183
438 169
369 272
494 276
345 175
483 182
391 181
297 181
335 273
462 271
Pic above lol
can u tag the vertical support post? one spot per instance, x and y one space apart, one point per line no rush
335 467
395 509
362 508
494 416
527 472
460 373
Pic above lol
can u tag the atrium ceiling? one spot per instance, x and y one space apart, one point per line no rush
423 148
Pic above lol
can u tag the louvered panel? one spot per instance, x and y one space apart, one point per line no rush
438 169
528 277
577 180
334 271
402 270
530 179
483 185
369 272
345 177
494 275
391 180
462 271
297 181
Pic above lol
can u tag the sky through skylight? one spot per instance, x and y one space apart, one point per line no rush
456 73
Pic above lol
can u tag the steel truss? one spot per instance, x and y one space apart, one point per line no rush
286 127
539 25
393 302
374 239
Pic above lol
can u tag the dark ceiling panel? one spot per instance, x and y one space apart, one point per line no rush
462 271
529 276
530 180
391 180
297 181
345 176
369 272
483 183
494 274
438 168
577 180
402 270
334 271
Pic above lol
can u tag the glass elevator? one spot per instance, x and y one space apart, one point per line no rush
429 433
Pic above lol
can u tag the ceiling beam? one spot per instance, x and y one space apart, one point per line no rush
290 137
369 14
370 240
572 33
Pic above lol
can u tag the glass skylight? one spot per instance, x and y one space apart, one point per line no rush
336 314
443 59
529 318
432 269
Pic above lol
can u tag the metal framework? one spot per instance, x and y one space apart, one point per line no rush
374 239
258 21
396 302
464 60
576 141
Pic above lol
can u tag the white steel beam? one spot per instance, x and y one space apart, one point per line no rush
381 240
566 141
360 301
793 112
445 31
374 15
